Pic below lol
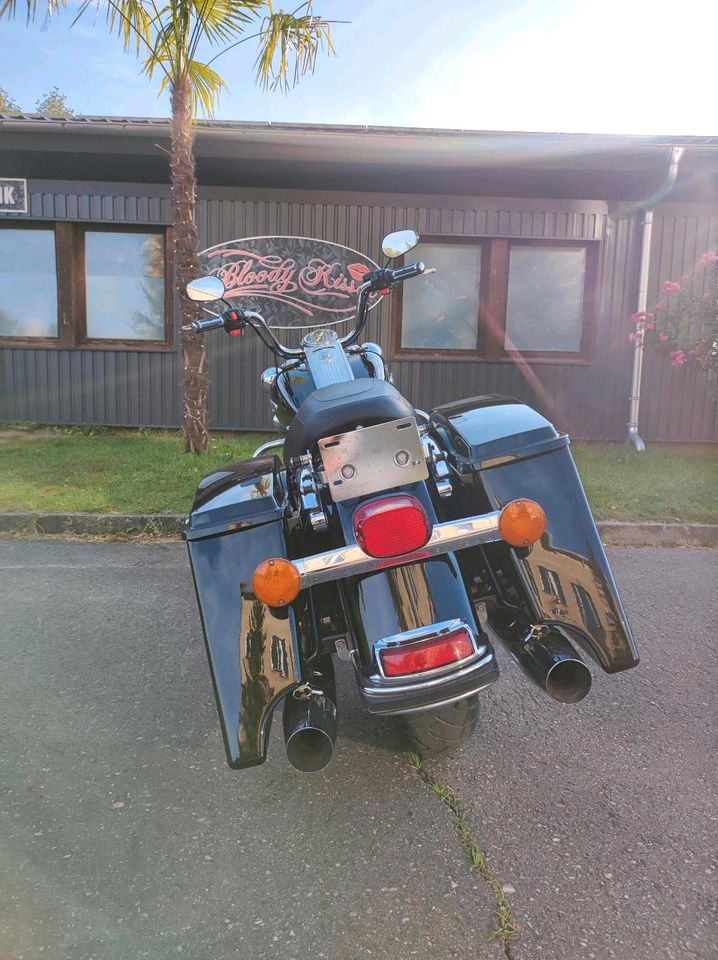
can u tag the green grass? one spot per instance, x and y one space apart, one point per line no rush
108 472
94 469
669 482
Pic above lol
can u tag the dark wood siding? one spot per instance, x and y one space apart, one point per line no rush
589 400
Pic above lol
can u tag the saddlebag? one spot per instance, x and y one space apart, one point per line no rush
236 522
504 450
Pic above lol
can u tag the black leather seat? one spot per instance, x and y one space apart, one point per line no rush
341 407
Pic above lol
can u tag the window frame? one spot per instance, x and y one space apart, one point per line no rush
493 302
71 287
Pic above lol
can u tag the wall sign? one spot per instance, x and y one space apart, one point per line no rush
13 195
291 281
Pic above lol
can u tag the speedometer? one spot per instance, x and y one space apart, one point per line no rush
321 337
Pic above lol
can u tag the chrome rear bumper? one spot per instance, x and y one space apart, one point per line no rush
351 560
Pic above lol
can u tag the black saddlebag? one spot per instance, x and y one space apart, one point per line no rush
236 522
505 450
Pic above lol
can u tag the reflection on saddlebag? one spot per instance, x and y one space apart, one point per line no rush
236 522
505 450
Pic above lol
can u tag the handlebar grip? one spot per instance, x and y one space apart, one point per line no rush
410 270
211 323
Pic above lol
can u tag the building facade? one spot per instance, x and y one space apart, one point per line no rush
536 239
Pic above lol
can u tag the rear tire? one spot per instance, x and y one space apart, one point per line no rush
439 732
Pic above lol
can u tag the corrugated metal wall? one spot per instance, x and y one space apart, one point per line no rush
122 387
678 402
587 399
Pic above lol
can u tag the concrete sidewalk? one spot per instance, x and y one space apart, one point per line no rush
126 836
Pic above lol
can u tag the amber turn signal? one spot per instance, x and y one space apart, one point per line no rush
521 522
276 582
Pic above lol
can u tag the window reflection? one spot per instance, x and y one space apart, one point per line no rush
545 300
440 311
587 608
28 283
551 584
125 285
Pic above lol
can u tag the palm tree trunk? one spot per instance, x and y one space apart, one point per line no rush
187 267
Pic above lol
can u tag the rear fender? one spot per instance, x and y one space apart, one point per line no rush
402 599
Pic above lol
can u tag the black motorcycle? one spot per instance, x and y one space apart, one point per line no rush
396 540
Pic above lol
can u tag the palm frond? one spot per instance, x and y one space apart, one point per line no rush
129 19
9 8
288 46
206 86
221 20
205 83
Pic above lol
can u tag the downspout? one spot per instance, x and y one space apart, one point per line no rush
634 400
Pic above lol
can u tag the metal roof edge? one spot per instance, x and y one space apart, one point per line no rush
143 125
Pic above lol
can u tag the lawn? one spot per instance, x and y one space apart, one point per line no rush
146 471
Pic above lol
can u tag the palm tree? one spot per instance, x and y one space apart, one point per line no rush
169 37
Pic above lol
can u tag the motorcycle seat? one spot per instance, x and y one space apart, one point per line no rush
341 407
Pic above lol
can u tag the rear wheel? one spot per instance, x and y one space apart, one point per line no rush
439 732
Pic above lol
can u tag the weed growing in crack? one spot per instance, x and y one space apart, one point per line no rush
505 929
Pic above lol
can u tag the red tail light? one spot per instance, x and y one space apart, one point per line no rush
421 655
391 526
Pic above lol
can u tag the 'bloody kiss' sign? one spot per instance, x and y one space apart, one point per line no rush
291 281
13 195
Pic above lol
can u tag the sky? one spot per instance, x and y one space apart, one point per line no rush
614 66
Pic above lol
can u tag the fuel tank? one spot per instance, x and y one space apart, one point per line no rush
292 385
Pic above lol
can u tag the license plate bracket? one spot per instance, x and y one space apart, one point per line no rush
372 459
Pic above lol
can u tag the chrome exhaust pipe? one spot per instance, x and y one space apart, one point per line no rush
549 658
310 725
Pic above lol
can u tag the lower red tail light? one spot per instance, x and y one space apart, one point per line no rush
428 654
392 526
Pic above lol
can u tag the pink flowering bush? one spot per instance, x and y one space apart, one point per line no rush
683 325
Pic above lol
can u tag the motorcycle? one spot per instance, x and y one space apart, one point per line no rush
400 541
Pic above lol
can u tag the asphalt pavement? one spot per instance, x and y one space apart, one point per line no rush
124 835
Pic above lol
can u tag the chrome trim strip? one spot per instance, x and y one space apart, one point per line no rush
373 689
351 560
431 631
269 445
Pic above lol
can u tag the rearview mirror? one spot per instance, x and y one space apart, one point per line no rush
399 243
205 289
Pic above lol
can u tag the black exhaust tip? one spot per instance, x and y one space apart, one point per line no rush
551 661
568 681
310 724
310 749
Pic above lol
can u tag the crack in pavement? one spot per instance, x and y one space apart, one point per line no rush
506 928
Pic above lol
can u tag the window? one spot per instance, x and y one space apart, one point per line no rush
28 283
75 285
124 285
442 311
544 307
496 298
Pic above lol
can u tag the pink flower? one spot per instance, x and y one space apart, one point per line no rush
663 337
641 315
661 305
650 325
670 287
678 358
632 337
710 257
